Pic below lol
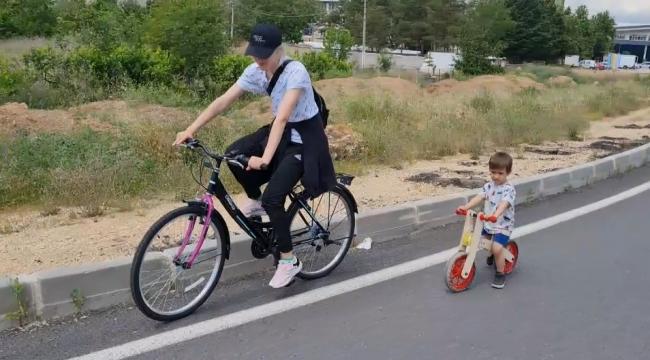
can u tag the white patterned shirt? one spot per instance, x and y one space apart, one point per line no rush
294 76
494 195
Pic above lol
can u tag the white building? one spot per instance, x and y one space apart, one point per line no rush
634 40
329 5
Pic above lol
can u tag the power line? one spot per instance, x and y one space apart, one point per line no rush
285 16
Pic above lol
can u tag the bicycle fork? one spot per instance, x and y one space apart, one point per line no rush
207 199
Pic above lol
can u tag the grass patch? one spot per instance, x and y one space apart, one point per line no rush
101 170
15 48
396 130
543 73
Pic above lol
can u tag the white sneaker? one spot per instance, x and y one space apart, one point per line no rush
285 272
253 208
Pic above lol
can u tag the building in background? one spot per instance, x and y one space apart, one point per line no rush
329 5
633 40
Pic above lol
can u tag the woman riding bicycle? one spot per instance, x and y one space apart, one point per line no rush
293 147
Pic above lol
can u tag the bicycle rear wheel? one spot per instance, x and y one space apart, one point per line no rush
166 284
322 232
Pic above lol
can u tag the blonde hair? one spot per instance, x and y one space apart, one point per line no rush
279 52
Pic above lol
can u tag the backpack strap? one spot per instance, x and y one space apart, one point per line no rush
276 75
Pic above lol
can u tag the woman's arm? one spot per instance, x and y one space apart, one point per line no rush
288 104
218 106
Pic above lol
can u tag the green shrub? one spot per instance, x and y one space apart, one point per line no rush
227 69
192 30
12 79
319 64
338 42
385 61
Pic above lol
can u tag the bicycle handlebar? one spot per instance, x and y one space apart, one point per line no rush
239 160
481 216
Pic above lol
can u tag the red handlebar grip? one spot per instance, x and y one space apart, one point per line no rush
461 212
491 218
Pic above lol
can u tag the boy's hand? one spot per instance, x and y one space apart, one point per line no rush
461 210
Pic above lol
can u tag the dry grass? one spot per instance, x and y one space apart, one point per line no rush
100 169
429 127
14 48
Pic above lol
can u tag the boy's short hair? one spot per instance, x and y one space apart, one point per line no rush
501 160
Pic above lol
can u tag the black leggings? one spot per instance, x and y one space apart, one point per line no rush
287 172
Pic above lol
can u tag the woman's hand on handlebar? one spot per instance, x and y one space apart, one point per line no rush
256 163
182 137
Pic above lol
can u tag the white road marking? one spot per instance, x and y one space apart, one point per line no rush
211 326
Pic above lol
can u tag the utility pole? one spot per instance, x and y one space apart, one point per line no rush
232 18
363 42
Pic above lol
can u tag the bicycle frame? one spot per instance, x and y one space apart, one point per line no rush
472 240
216 188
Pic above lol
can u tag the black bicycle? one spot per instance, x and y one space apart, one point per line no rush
181 257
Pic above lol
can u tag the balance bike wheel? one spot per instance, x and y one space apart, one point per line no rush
453 277
514 249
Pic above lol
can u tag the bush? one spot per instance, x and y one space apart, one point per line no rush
12 79
147 66
338 43
27 18
191 30
227 69
319 64
385 61
59 80
102 24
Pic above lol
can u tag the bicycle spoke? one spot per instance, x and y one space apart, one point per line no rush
205 252
151 284
322 246
170 290
329 218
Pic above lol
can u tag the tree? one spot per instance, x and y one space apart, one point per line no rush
483 35
602 25
193 30
378 22
27 18
444 17
291 16
578 37
338 42
410 24
588 37
538 33
103 24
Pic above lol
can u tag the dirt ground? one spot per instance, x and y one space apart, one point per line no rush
32 241
495 85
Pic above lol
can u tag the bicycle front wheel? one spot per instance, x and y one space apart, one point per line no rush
169 279
321 232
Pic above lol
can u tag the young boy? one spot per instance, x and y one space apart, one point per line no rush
499 197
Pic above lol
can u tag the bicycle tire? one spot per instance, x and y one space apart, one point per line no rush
346 239
139 259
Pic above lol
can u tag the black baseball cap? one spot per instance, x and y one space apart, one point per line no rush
265 38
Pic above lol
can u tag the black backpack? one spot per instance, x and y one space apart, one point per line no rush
320 102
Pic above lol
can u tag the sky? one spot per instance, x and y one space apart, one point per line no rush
625 12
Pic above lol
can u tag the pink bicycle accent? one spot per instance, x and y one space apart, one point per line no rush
186 238
206 224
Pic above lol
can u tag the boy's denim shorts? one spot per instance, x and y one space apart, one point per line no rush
500 238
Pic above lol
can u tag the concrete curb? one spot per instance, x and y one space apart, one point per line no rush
48 294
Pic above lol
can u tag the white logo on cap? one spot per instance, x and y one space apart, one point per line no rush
259 38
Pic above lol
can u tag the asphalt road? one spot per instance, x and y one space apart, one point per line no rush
580 292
